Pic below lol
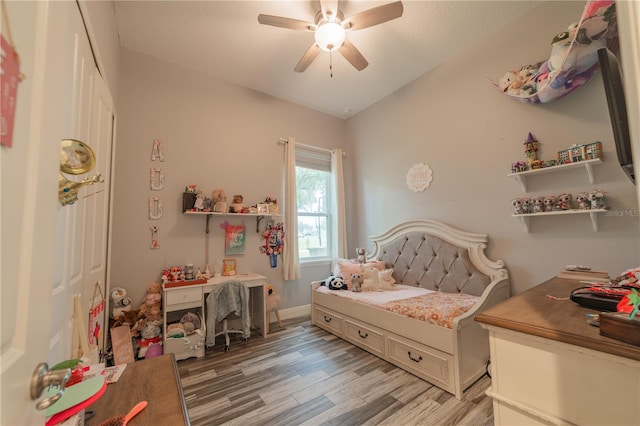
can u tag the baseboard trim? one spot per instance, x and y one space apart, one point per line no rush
295 312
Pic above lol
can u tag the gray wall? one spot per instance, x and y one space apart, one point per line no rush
469 133
216 135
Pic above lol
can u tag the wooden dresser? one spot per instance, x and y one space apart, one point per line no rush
154 380
549 366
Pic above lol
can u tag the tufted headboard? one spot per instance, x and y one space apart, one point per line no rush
430 254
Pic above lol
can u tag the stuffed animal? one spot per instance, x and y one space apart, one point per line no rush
563 202
219 200
583 201
356 282
361 255
517 206
538 204
596 197
126 318
152 304
120 302
273 303
237 206
190 322
335 283
527 206
175 330
549 202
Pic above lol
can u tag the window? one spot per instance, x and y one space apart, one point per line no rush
313 190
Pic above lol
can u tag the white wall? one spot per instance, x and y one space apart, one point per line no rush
216 135
453 119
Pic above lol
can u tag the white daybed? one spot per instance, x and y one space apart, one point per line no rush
432 255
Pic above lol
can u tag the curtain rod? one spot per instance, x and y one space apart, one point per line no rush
284 141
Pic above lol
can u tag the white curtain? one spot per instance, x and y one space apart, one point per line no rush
290 258
339 225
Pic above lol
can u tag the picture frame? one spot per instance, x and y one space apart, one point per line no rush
228 267
263 208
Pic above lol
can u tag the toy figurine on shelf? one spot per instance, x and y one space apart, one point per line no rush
549 202
531 149
597 197
583 201
538 204
517 206
519 166
199 204
237 206
563 202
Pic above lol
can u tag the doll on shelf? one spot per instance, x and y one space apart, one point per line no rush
237 206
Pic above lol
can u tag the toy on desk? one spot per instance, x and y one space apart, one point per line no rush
272 304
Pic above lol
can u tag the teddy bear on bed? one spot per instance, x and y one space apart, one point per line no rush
335 283
356 282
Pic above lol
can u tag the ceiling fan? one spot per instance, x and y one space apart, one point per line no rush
330 28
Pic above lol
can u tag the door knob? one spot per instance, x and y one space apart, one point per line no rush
42 378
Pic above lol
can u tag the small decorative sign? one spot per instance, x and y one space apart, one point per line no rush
419 177
235 239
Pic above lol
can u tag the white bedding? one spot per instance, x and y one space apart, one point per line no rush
379 298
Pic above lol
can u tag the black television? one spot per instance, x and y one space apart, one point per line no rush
612 79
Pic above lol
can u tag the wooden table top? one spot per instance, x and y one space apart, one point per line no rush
154 380
557 318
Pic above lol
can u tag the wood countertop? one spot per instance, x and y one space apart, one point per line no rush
557 318
154 380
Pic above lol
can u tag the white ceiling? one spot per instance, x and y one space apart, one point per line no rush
224 39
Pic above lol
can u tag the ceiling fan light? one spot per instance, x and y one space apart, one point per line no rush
330 36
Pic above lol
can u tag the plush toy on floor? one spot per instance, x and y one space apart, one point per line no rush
120 302
273 303
152 304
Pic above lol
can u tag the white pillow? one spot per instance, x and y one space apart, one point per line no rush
371 281
385 279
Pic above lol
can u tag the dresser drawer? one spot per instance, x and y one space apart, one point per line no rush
364 335
423 361
183 295
328 320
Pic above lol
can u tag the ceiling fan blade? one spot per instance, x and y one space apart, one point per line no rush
353 55
329 9
290 23
374 16
307 58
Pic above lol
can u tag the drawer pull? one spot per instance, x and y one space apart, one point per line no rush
414 359
327 319
364 336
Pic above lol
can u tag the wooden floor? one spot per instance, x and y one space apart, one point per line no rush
302 375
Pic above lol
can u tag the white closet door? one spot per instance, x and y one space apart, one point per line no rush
47 253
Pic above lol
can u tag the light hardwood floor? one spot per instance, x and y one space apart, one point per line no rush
302 375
